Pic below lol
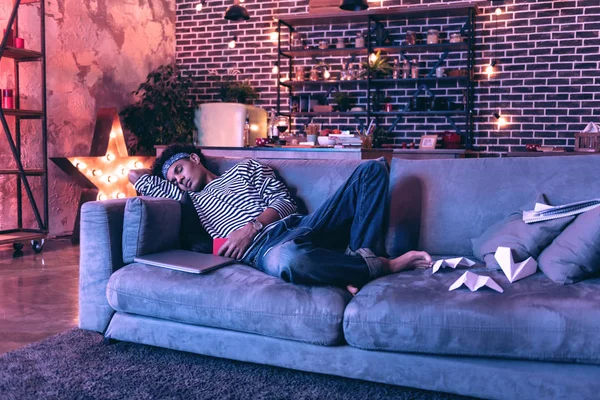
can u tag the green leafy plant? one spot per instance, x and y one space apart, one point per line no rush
163 113
377 65
378 99
233 91
380 137
343 100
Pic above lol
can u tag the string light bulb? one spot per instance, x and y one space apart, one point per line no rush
498 11
110 157
326 74
80 165
275 69
500 120
274 37
232 43
200 5
490 69
97 172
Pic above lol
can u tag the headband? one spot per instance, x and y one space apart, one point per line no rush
174 158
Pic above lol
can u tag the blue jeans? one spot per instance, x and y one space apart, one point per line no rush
339 243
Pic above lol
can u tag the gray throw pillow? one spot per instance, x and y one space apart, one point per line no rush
575 254
526 240
150 225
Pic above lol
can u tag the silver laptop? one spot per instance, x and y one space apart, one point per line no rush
186 261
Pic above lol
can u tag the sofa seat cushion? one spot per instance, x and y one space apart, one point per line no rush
534 318
235 297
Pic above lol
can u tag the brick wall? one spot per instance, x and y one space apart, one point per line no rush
547 82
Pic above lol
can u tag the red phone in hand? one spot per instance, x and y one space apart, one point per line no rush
217 243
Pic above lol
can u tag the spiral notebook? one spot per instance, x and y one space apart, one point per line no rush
186 261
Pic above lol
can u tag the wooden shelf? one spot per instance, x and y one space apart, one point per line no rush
421 80
29 172
416 113
22 113
393 13
21 54
20 236
306 53
423 48
327 114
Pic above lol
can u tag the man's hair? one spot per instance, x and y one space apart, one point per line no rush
170 152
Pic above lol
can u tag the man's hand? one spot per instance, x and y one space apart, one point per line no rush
238 242
135 174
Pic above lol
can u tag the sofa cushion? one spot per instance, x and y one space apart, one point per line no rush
533 319
235 297
439 205
142 216
575 254
525 240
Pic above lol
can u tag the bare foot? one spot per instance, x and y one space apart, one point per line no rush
352 289
410 260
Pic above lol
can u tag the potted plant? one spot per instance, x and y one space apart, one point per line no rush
377 65
380 101
380 137
163 113
343 101
231 90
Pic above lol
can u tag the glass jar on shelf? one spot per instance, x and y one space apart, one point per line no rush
299 74
414 70
314 74
359 42
456 38
410 39
405 70
397 70
433 36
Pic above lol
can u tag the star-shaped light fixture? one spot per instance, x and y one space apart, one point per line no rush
103 174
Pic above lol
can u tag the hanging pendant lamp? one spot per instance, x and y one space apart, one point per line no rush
236 13
354 5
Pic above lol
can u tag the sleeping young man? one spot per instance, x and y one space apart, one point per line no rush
339 244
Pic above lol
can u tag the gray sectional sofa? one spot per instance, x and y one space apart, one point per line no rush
537 340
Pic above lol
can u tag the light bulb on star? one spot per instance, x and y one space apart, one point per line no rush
113 134
110 157
111 179
80 165
101 197
97 172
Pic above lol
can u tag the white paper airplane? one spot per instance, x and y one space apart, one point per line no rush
512 270
474 282
452 263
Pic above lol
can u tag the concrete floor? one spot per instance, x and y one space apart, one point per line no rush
38 293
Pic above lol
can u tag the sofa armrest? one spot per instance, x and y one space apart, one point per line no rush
101 254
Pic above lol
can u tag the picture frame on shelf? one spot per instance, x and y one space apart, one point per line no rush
428 142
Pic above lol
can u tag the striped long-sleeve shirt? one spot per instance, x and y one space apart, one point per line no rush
230 201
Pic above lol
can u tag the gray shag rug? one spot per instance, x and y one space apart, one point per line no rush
76 364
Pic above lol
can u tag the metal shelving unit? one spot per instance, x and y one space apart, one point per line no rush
423 84
19 234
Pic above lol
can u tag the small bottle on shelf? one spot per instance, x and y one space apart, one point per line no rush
414 71
405 70
247 132
397 71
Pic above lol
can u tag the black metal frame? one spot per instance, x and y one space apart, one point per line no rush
19 56
423 83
